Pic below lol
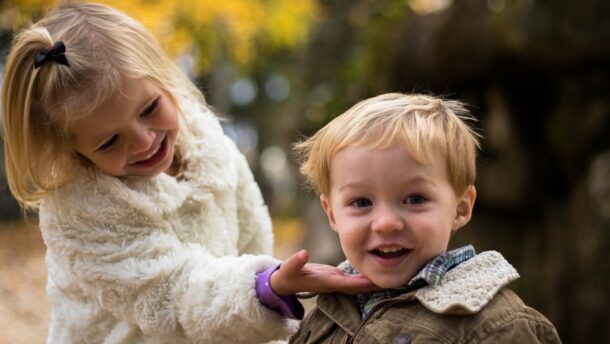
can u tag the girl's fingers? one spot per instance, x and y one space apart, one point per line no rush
295 275
360 285
352 284
282 281
295 262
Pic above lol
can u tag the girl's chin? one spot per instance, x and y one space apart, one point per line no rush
147 173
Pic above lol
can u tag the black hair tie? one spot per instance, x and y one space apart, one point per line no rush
56 53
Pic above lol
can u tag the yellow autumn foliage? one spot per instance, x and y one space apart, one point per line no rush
240 30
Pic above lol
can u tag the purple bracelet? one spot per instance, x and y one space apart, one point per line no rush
287 306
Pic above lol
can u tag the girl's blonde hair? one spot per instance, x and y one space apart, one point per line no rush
103 47
423 124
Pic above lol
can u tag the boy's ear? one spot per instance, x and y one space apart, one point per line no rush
463 211
328 210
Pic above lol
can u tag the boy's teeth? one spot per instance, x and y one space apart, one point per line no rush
390 252
389 249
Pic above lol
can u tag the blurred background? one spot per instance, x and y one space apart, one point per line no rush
536 73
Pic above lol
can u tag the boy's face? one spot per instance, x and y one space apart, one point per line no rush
392 214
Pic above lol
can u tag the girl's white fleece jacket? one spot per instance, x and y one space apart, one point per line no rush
160 260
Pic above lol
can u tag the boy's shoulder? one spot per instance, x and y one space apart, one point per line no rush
472 302
504 319
465 289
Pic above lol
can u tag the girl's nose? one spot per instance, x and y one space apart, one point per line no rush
387 220
141 140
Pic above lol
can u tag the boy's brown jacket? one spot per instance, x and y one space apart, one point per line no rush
470 306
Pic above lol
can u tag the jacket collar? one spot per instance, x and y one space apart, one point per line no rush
431 274
469 286
465 289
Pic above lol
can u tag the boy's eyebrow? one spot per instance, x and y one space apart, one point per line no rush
417 179
350 184
421 179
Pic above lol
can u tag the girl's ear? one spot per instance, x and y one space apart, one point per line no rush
463 211
329 211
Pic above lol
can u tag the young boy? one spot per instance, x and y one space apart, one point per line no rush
395 175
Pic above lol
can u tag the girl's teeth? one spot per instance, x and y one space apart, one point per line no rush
152 154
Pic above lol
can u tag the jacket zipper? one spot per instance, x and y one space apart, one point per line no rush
378 305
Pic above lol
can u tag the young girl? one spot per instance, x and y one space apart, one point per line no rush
155 228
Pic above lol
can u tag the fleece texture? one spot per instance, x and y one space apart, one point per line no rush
161 260
469 286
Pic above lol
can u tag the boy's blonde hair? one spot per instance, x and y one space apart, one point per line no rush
103 47
423 124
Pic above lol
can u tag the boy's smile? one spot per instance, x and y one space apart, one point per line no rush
390 255
392 213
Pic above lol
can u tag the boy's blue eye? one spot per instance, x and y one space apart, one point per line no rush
361 203
150 109
416 199
108 144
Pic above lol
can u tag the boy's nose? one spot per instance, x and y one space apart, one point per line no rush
387 220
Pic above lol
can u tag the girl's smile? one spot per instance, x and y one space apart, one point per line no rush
131 134
153 158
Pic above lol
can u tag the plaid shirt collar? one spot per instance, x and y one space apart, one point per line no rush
431 275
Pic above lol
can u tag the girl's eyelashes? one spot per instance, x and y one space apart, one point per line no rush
146 113
150 109
108 144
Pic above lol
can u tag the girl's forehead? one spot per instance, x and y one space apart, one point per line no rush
101 95
130 95
82 102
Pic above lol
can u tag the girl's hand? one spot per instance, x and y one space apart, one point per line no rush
295 275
